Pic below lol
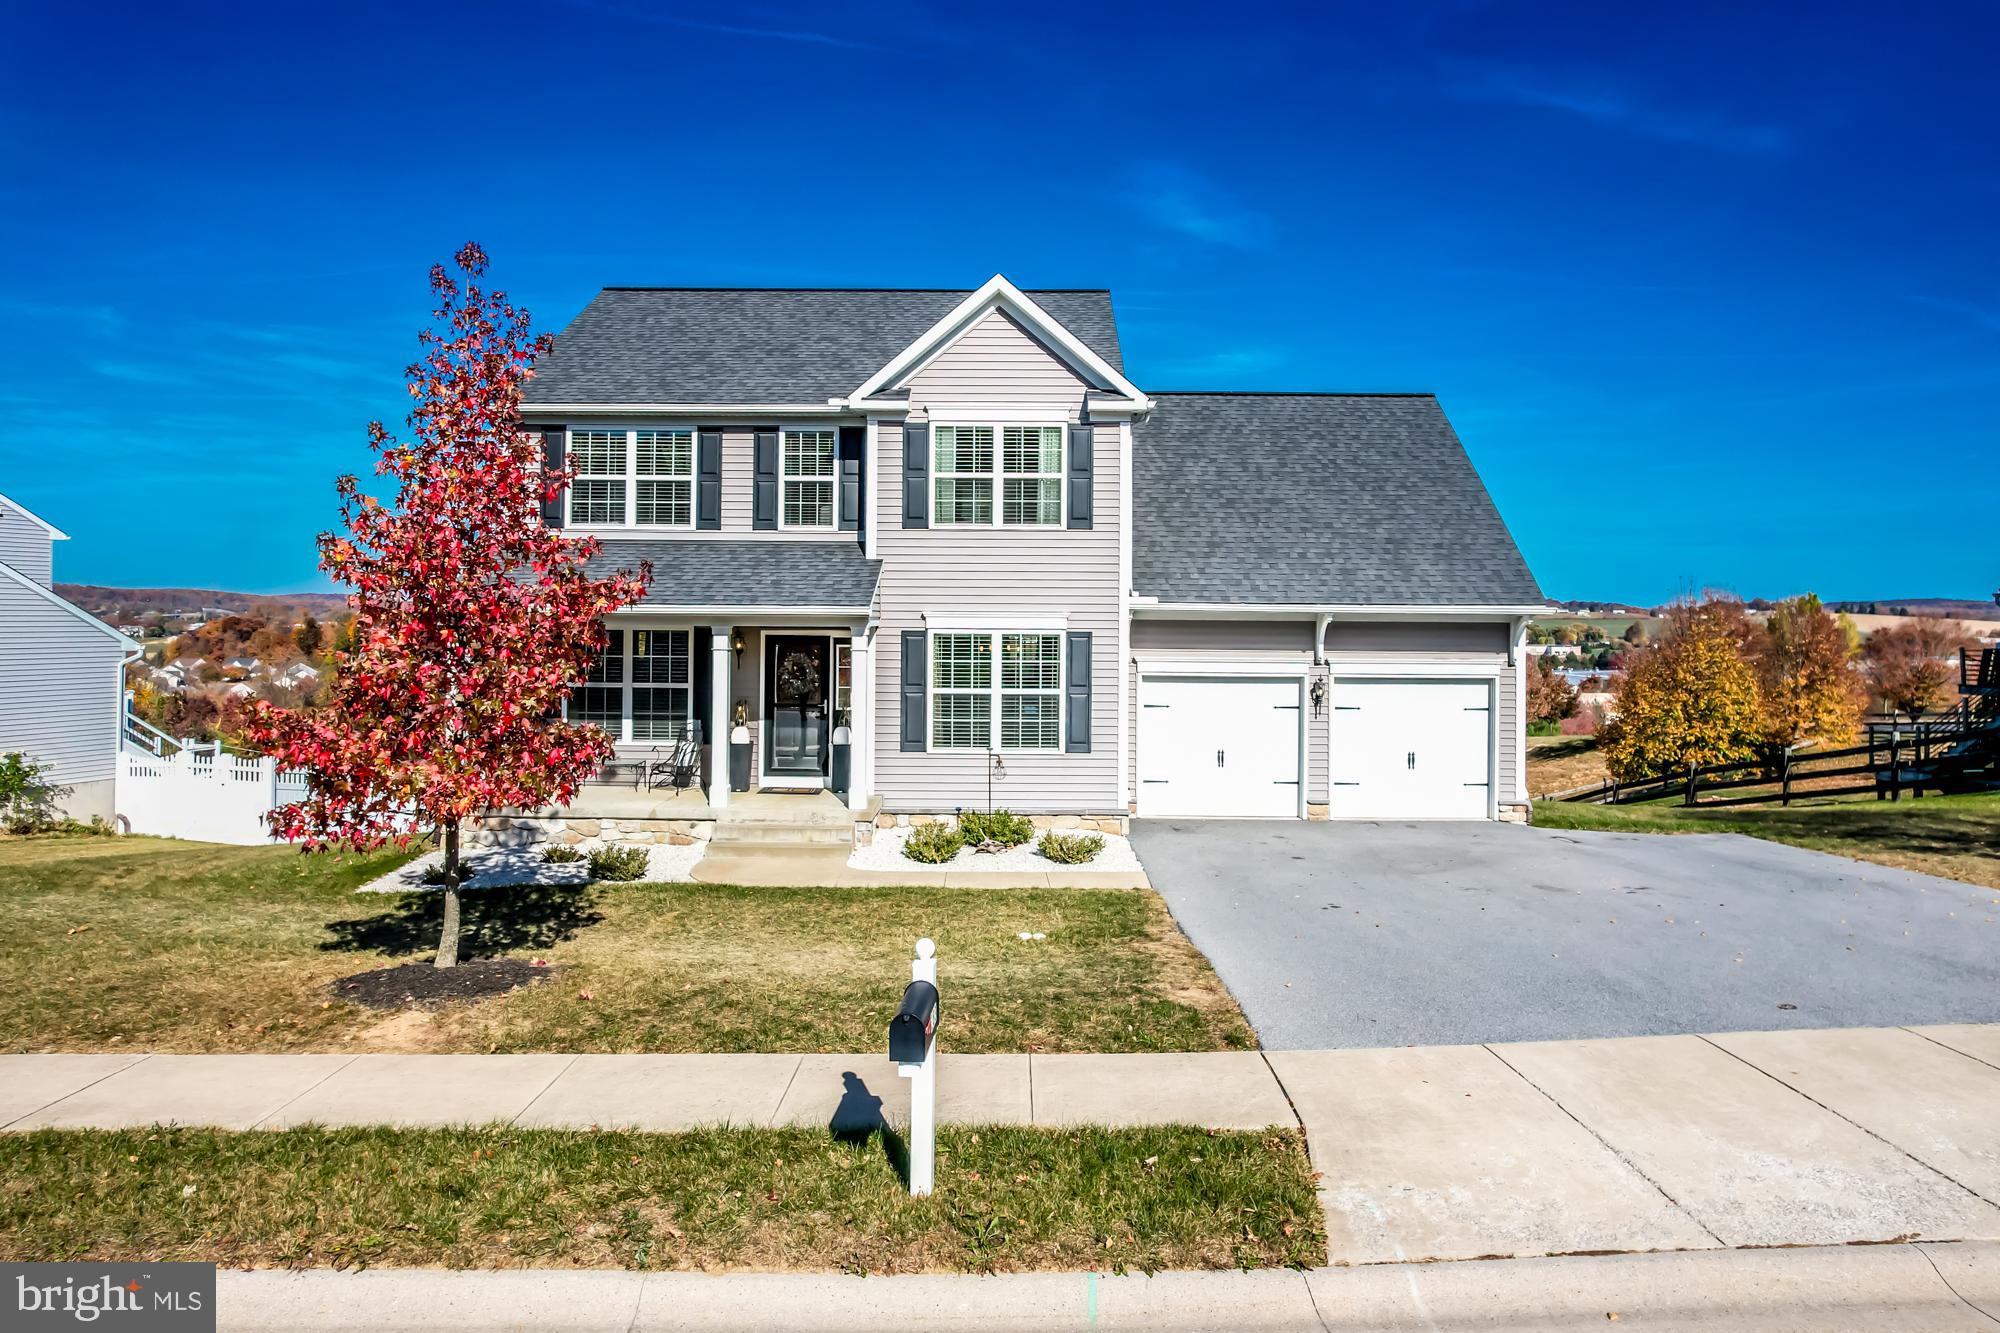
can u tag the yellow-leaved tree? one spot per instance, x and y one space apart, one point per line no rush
1806 676
1689 699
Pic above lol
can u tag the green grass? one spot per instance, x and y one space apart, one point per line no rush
142 944
1954 836
1007 1199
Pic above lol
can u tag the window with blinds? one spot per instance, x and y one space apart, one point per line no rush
641 687
966 693
1025 471
808 476
626 477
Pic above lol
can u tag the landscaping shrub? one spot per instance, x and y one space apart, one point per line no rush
933 844
1070 849
619 863
27 797
1001 826
1584 722
556 854
434 874
1545 726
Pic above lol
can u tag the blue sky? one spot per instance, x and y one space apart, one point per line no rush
1710 292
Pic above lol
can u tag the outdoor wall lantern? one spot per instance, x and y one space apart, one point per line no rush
738 644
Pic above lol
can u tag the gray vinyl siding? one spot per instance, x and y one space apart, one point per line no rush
60 687
1285 644
995 572
25 544
1484 642
1288 644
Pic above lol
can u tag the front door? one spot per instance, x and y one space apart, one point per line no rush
797 684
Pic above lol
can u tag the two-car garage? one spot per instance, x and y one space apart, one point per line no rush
1251 746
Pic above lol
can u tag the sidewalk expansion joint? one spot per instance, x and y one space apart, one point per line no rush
1949 1047
516 1118
1320 1314
37 1110
1609 1147
1895 1147
1278 1079
280 1107
1968 1302
790 1079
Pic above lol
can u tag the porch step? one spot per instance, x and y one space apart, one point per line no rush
781 833
772 820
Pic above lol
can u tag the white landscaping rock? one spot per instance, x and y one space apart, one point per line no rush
886 853
506 866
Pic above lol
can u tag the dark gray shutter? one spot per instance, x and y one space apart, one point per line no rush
1076 701
916 683
764 487
701 644
708 480
916 475
1080 443
555 453
853 455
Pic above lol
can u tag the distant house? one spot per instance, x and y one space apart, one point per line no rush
246 665
300 676
240 691
62 671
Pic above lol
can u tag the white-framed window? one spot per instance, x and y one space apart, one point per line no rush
967 692
642 477
641 687
1006 476
807 478
843 684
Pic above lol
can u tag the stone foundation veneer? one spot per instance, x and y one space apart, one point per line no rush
1042 823
1511 813
527 830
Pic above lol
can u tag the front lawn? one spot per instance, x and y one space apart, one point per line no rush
1563 763
1957 837
145 944
1007 1199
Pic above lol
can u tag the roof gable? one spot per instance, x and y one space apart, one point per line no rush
740 346
1325 500
55 533
1000 295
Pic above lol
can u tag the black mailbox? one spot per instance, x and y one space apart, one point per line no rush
910 1030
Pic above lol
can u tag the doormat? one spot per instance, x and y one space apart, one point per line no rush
790 791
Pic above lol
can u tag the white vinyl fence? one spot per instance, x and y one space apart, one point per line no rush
180 789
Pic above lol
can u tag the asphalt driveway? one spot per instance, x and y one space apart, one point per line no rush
1336 934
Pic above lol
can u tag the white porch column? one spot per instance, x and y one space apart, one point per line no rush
718 712
861 727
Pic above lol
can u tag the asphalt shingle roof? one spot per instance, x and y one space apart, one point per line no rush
688 572
1315 499
750 345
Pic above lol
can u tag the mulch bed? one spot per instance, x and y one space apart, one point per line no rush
424 986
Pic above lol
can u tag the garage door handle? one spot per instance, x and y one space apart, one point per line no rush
1411 759
1218 759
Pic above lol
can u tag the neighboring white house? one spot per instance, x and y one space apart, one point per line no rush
62 671
300 676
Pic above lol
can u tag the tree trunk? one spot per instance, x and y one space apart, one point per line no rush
447 954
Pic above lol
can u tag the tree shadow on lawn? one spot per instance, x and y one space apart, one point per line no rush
492 921
1894 827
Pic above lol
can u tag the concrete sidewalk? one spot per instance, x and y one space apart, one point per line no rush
1830 1137
1931 1288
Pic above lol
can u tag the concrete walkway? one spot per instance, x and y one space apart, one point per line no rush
1930 1288
1829 1137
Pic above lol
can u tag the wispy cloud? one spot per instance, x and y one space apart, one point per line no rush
139 372
1985 316
1615 103
755 32
1177 199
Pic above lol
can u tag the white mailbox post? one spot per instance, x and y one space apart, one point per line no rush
913 1046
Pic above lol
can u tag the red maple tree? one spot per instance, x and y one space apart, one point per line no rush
472 618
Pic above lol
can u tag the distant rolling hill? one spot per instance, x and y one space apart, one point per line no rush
126 604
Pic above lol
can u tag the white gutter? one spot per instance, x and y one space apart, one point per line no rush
1153 606
682 409
745 613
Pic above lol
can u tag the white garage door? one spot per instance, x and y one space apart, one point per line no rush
1411 749
1218 747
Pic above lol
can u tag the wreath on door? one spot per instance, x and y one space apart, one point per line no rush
798 674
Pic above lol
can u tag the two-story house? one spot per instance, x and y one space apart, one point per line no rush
943 530
62 671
